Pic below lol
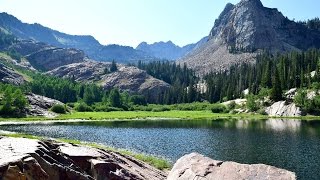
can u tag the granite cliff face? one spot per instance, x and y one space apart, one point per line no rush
126 78
245 29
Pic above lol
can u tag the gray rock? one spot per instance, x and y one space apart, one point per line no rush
46 57
40 105
245 29
33 159
283 109
8 75
196 166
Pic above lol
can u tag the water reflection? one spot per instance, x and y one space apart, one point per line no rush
289 144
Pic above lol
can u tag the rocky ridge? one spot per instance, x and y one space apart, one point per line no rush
244 30
126 78
168 50
46 57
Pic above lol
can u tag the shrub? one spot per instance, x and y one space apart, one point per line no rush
252 105
58 108
160 109
83 107
219 108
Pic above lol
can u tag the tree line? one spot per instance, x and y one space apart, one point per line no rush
273 72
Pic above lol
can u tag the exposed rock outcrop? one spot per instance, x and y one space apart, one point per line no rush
40 105
46 57
126 78
8 75
283 109
22 158
135 80
245 29
196 166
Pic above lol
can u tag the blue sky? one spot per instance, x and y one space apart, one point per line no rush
129 22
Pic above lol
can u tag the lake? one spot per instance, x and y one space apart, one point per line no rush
288 144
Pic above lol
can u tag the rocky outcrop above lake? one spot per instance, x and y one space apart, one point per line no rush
126 78
8 75
283 109
40 105
22 158
196 166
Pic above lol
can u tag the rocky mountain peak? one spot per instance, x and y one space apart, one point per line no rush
251 3
245 29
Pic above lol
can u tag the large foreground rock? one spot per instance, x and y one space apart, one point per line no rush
22 158
196 166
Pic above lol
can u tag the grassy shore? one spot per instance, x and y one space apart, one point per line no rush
149 114
141 115
156 162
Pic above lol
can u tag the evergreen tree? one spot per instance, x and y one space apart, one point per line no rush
276 91
115 99
113 67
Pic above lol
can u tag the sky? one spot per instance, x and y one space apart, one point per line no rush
130 22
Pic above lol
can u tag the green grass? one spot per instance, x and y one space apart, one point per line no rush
150 114
114 115
156 162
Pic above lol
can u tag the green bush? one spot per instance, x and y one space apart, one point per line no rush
160 109
252 105
58 108
219 108
82 107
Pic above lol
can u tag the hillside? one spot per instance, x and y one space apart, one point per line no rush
244 30
88 44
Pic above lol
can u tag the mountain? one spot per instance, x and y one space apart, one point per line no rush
168 50
246 29
88 44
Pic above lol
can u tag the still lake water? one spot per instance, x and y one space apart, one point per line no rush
288 144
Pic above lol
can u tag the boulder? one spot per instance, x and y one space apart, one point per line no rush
196 166
283 109
22 158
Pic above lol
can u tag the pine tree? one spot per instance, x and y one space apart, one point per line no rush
113 67
115 98
276 91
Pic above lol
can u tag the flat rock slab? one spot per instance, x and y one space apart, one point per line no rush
198 167
22 158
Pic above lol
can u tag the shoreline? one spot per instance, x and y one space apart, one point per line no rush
147 115
160 163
